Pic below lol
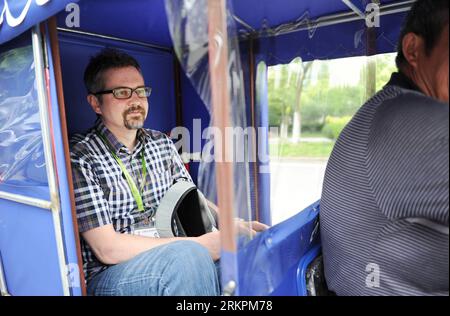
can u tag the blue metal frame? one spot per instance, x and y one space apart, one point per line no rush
66 218
268 264
302 269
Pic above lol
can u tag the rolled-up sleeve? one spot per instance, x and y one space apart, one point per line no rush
177 168
91 206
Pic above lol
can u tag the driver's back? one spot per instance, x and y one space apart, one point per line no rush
385 206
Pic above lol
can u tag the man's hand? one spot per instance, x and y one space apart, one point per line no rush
211 241
249 228
246 228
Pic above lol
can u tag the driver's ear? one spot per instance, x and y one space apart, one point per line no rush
413 45
95 103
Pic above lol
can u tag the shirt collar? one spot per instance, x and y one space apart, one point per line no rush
401 80
142 135
101 128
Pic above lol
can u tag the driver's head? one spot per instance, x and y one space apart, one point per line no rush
423 47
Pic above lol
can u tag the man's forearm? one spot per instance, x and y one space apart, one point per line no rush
124 247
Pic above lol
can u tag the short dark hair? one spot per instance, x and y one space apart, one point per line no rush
108 58
427 19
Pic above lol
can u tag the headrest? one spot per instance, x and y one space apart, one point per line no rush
184 212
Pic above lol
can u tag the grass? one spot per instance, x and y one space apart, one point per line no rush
313 135
301 150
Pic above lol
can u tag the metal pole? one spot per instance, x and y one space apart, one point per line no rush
3 287
53 35
329 20
220 91
371 64
354 8
47 205
117 39
255 150
45 121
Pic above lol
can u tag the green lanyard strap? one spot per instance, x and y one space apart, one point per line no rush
134 190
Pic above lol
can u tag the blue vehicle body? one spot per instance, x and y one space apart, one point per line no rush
39 242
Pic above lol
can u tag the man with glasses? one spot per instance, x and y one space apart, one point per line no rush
121 171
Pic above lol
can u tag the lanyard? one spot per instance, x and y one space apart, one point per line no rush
134 190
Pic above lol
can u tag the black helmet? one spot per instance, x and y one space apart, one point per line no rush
184 212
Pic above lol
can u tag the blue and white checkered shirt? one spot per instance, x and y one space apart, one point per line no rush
102 193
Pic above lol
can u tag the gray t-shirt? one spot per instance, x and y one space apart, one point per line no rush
385 201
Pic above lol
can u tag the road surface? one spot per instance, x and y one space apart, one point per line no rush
295 184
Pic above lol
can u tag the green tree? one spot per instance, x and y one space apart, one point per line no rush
297 117
281 97
310 93
385 67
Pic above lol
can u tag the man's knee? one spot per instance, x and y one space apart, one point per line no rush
190 270
179 268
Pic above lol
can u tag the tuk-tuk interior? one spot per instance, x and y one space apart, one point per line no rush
271 32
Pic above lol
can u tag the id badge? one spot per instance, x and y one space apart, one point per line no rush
146 232
147 229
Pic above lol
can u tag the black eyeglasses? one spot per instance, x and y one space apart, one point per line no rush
126 93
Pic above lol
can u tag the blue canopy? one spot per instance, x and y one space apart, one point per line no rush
17 16
286 27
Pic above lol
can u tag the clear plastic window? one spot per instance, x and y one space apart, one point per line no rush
22 161
309 105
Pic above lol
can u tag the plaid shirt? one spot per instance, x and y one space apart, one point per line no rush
102 193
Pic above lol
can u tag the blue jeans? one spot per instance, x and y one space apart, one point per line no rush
181 268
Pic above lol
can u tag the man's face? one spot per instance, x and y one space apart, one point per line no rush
122 113
434 68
